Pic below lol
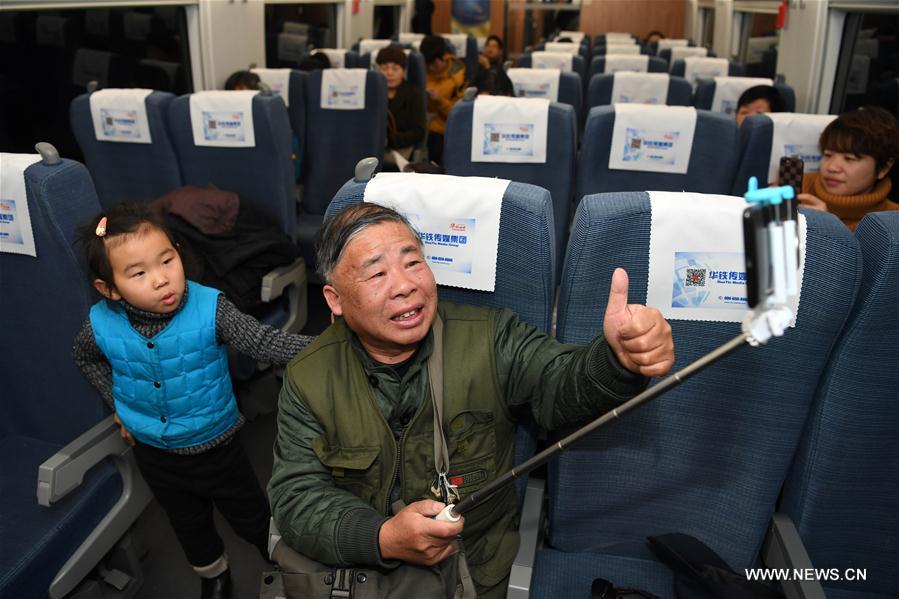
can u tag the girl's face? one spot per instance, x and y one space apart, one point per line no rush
147 272
847 174
393 73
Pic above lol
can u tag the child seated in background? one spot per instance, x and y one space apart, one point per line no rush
858 149
757 100
155 350
242 80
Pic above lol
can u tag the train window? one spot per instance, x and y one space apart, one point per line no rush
756 46
706 34
47 58
868 67
291 30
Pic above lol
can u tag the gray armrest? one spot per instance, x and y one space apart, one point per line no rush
784 549
65 470
292 278
530 530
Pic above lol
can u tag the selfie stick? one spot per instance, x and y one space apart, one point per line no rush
768 318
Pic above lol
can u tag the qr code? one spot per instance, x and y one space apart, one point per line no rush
494 138
210 124
695 277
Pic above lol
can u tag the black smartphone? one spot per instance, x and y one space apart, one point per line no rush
790 173
755 246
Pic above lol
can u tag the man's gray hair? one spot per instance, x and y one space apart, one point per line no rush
337 233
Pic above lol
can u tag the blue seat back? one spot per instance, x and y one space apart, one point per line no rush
45 301
262 175
555 175
128 171
296 112
599 92
338 139
577 65
655 65
709 457
705 94
734 69
756 139
841 492
525 276
714 142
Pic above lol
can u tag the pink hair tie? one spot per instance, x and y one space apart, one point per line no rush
101 227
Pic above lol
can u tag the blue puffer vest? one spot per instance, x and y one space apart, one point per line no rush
173 390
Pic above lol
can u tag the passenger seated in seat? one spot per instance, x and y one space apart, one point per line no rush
242 80
858 149
315 62
155 350
757 100
446 84
405 106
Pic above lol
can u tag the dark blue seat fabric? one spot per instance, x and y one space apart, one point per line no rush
262 175
296 112
337 140
756 139
563 574
128 171
571 92
734 69
578 65
555 175
46 402
708 459
599 92
714 143
655 65
705 94
842 488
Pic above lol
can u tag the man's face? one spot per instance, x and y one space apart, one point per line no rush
385 291
492 50
759 106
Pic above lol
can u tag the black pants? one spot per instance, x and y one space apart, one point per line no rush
187 486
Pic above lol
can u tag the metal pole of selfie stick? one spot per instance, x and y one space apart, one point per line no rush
769 319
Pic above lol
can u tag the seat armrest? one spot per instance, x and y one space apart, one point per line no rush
65 470
783 549
530 531
293 279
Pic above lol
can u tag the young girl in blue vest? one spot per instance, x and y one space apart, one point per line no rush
155 349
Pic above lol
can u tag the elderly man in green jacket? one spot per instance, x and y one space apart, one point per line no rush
355 426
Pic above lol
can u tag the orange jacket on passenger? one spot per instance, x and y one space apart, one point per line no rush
448 85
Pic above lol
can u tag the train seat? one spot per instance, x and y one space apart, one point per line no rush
709 458
654 64
617 48
263 176
714 142
556 175
841 491
578 65
128 171
704 97
340 138
71 489
295 102
734 69
599 92
672 54
797 133
570 90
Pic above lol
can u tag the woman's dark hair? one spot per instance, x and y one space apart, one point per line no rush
315 62
494 82
762 92
432 47
122 220
248 79
392 54
869 131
